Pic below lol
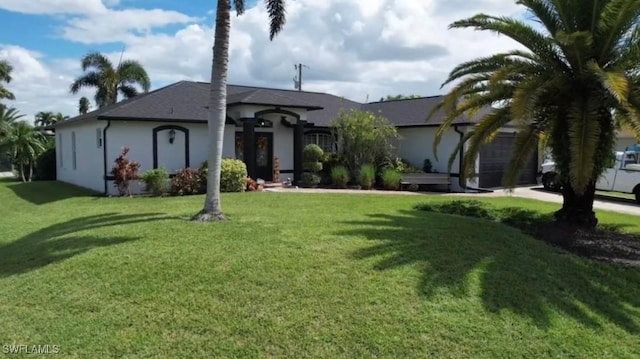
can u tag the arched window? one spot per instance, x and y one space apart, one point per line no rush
322 139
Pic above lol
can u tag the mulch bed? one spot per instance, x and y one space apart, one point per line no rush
609 245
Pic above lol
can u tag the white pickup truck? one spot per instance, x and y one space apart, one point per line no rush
624 176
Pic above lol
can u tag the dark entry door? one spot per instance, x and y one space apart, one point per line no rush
264 155
495 156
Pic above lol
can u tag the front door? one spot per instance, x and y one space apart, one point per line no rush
264 155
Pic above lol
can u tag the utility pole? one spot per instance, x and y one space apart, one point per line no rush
297 81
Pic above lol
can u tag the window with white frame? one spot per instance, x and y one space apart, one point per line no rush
60 153
99 137
73 150
322 139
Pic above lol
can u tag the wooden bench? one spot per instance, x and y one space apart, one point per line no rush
426 179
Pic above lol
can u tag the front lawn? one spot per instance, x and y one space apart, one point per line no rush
299 275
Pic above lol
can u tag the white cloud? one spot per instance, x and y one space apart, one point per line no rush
354 48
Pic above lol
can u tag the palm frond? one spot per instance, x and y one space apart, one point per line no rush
277 16
239 6
128 91
132 72
617 19
90 79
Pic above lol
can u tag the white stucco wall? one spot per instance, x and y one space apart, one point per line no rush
88 172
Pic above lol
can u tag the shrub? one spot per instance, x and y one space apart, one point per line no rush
186 182
340 176
309 180
124 171
414 187
329 161
401 165
391 179
367 176
364 137
233 175
156 181
46 165
427 166
470 208
312 155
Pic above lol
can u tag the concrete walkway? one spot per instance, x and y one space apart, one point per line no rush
6 174
535 192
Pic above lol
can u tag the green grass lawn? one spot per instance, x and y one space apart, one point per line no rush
299 275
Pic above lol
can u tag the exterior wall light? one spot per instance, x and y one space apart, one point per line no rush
172 136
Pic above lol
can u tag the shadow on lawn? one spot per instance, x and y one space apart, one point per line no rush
517 273
43 192
63 240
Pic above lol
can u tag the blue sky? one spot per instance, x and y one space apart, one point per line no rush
359 49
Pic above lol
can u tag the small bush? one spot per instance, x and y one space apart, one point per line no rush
312 153
402 166
309 180
367 176
232 176
124 171
340 176
156 181
391 179
46 165
414 187
186 182
462 208
427 166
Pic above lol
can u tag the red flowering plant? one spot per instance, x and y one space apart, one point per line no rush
124 171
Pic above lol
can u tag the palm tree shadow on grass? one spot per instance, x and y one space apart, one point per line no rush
518 274
62 241
43 192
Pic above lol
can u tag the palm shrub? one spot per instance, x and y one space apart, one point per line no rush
156 181
367 176
312 154
391 179
577 76
340 176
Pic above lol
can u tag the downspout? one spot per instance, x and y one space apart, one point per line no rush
104 157
461 181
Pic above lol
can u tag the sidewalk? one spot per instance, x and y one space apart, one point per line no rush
6 174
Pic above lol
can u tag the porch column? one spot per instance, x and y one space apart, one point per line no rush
249 145
298 146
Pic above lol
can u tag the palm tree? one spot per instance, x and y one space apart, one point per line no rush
579 72
44 118
5 76
218 95
8 116
25 144
84 105
109 81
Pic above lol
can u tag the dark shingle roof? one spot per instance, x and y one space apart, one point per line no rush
188 101
414 112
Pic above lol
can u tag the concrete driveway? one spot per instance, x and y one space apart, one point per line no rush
536 192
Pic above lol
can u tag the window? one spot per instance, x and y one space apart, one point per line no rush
60 153
322 139
73 150
99 137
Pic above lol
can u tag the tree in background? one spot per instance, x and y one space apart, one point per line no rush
218 95
48 118
84 105
398 97
24 143
5 76
580 71
109 81
364 138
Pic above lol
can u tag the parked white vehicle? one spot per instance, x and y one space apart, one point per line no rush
623 177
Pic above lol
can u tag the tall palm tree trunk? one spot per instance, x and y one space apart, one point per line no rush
30 171
22 171
217 113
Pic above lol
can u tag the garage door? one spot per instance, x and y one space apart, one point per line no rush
494 158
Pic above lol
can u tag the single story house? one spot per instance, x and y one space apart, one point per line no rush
168 128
